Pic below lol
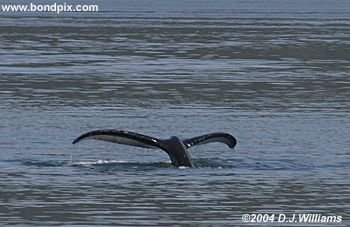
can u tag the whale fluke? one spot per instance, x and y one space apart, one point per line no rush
121 137
226 138
174 147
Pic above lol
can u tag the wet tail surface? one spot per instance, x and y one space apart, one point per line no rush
174 147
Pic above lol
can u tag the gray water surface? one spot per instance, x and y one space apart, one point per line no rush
274 74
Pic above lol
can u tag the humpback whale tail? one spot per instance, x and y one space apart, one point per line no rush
174 147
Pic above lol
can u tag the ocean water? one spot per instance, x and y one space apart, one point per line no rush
275 74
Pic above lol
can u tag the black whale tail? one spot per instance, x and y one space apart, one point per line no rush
169 146
222 137
121 137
